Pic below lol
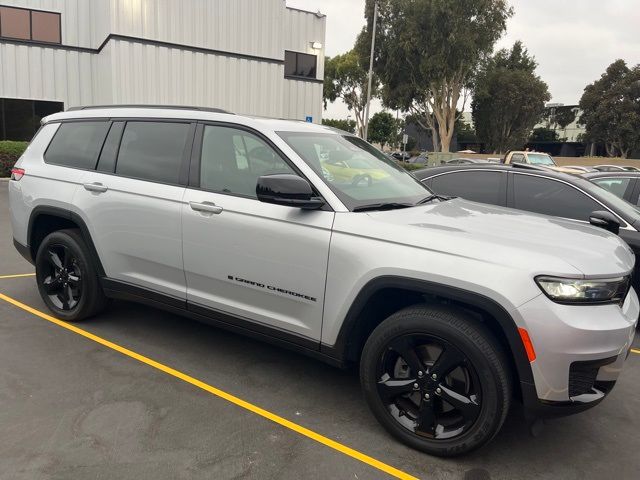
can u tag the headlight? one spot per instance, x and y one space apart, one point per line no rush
569 290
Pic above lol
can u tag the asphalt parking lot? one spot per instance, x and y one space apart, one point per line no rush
73 407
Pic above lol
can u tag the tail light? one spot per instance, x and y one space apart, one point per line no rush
17 173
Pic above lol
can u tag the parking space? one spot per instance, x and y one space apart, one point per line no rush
73 406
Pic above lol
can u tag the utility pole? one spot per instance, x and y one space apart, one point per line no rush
373 46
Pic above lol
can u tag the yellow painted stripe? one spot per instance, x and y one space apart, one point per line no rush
635 350
19 275
394 472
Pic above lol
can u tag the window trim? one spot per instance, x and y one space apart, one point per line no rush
196 154
624 225
301 77
30 39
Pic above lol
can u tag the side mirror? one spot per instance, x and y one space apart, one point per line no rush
288 190
606 220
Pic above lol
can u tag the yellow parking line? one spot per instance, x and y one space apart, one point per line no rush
394 472
635 350
19 275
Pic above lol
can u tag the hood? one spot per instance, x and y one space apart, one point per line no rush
539 243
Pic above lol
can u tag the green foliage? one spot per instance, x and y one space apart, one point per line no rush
427 52
10 151
508 99
543 134
383 128
465 133
411 166
346 125
611 109
346 77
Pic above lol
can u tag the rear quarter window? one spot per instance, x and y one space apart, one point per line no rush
77 144
483 187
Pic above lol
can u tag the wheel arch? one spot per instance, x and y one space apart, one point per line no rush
382 296
45 220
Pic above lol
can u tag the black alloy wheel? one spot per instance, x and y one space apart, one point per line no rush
429 386
62 277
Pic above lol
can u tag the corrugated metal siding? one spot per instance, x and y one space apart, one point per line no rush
302 99
153 74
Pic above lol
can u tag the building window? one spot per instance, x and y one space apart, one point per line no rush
20 119
34 25
301 65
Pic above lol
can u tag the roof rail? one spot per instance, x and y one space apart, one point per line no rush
170 107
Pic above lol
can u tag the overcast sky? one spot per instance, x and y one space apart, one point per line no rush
572 41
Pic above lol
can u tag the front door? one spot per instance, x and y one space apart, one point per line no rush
258 262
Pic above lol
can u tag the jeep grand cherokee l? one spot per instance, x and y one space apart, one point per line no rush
451 308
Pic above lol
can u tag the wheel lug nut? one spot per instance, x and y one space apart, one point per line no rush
416 386
426 396
420 374
438 390
434 376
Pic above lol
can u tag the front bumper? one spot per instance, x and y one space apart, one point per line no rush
580 351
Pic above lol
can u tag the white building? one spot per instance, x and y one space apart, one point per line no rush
255 57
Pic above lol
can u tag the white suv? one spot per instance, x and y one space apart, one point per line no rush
309 237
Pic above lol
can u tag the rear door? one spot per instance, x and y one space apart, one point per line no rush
259 265
132 203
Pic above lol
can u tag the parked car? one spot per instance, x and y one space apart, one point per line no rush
450 308
609 168
538 159
463 161
581 168
422 158
402 156
540 191
625 185
631 169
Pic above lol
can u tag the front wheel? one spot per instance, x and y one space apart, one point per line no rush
436 380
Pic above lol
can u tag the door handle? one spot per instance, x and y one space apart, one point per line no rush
207 207
95 187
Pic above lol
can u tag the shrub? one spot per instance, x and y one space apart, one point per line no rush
411 166
9 153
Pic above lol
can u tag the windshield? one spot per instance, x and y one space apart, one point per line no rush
540 159
356 172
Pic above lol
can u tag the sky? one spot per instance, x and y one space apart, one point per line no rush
573 41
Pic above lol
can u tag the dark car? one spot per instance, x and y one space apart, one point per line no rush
402 156
625 185
541 191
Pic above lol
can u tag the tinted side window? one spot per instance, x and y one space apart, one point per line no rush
77 144
617 186
107 160
550 197
476 186
233 159
152 151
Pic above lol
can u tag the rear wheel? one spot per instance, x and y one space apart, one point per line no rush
67 278
436 380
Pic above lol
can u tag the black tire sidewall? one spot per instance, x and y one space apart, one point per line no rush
494 402
90 285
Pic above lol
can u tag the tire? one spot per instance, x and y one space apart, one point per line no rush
461 409
67 277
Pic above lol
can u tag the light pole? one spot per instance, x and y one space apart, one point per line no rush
373 46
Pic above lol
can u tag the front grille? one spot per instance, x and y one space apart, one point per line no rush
582 375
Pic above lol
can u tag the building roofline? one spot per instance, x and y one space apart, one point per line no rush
317 14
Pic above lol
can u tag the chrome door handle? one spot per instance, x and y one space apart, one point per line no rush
207 207
95 187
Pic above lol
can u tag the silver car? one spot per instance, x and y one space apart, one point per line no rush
451 308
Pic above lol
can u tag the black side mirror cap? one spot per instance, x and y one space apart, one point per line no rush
287 190
606 220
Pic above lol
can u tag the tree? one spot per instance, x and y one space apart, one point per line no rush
382 128
611 109
508 99
427 52
465 133
346 125
543 134
346 77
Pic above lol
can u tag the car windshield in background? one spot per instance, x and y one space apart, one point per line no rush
631 212
540 159
356 172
